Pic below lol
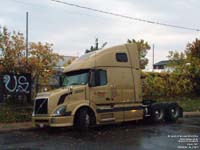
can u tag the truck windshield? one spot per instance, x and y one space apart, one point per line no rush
80 77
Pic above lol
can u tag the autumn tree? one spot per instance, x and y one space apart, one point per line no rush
193 59
12 50
143 48
188 62
177 61
40 62
193 50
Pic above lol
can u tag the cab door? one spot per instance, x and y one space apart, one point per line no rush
101 95
132 109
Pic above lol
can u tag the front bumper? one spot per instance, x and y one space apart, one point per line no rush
64 121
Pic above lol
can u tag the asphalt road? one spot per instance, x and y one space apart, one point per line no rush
131 136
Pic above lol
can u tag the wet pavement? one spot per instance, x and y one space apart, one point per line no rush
129 136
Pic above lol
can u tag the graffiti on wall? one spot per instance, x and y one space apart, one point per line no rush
16 83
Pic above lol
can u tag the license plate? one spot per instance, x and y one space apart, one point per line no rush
41 125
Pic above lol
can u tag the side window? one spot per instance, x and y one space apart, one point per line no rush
103 77
121 57
100 78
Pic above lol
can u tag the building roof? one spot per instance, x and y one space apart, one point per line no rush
162 63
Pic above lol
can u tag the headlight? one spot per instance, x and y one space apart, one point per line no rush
60 111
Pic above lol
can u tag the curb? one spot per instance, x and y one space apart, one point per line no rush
191 114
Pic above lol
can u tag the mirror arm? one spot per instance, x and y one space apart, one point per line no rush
91 78
60 80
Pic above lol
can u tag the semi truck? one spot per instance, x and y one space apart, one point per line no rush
101 87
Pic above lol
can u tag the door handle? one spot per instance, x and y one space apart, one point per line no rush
108 99
112 86
100 92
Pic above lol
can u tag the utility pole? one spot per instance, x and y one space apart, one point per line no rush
153 57
26 37
1 89
28 96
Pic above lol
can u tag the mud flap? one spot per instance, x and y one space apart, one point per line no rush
181 112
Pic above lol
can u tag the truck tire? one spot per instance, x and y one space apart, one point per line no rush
84 119
157 113
172 112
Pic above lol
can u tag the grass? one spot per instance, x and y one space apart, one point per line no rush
187 103
13 113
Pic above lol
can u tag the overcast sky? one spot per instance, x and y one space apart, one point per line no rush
72 30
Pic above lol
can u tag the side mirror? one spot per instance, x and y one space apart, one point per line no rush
60 81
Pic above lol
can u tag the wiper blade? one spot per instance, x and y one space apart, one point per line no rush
74 84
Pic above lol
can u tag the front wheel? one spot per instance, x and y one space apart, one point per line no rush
84 119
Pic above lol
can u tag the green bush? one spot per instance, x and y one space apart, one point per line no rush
166 85
15 113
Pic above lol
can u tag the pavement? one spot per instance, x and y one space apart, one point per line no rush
28 125
184 134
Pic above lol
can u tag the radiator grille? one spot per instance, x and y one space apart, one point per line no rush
41 106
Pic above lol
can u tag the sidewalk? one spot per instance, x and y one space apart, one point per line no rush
191 114
28 125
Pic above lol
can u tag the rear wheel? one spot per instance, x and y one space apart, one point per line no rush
172 112
157 113
84 118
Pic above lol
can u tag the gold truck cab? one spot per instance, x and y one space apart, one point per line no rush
101 87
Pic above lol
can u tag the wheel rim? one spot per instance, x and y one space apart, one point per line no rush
87 120
174 112
157 114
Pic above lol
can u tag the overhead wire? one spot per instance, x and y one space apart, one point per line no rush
119 15
22 3
125 16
